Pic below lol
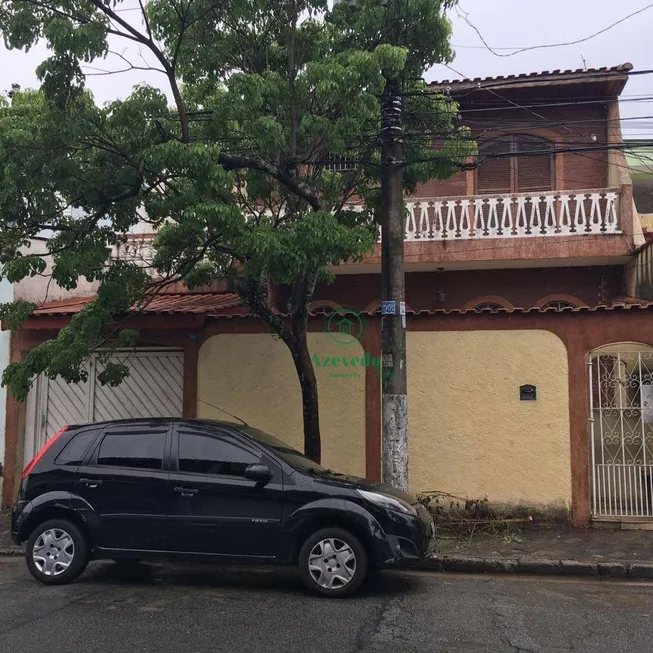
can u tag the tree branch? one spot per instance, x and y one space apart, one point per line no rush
297 186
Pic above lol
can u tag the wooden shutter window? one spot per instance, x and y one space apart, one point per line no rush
523 172
534 171
494 174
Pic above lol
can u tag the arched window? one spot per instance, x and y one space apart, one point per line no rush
491 306
559 301
559 304
515 164
491 303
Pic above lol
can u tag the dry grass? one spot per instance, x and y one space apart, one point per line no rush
460 517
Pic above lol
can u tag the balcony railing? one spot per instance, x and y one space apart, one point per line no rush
521 215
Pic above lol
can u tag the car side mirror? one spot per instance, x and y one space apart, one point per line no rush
259 473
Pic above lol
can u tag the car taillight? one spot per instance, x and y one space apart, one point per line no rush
42 451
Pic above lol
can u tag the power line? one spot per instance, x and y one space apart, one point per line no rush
501 107
548 45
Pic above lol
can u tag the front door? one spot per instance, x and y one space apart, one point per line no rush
125 484
214 508
621 428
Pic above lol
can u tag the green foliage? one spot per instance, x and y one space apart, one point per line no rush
233 175
14 314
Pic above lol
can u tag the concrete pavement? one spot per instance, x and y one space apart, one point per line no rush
198 609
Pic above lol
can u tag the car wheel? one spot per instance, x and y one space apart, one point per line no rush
333 562
56 552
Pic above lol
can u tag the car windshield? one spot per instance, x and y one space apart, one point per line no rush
286 453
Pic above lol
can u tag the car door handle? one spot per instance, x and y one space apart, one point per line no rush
186 491
90 482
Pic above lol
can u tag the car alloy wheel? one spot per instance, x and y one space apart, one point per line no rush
53 552
57 552
332 563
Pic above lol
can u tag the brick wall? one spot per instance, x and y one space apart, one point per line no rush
523 287
583 124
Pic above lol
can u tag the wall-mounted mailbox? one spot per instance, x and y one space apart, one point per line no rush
527 392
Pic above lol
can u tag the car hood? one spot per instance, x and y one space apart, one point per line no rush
358 483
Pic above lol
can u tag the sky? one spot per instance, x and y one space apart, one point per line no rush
503 24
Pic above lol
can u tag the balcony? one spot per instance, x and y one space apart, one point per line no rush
523 215
547 229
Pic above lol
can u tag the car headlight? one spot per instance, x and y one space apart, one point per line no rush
386 501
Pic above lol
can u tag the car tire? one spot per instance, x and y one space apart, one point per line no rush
333 563
56 552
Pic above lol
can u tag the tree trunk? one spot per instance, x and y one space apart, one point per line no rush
310 409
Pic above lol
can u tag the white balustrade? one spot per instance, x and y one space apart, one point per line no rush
521 215
138 249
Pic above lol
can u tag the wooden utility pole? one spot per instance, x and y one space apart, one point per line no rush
393 296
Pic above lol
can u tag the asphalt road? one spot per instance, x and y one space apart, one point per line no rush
197 609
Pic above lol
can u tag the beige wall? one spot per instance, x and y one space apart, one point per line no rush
40 288
470 434
253 377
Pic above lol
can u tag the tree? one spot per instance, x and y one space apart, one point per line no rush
232 173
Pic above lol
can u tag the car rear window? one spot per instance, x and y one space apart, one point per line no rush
75 451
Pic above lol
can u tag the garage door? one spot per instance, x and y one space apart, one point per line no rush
154 388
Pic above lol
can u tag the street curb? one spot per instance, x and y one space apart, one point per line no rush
528 565
12 551
543 566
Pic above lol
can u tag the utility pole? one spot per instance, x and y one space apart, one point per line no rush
393 295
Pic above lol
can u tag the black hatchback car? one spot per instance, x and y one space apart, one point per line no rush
196 489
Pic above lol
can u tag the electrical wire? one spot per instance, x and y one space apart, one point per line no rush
549 45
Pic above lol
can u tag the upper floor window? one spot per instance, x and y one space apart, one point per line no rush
521 170
337 163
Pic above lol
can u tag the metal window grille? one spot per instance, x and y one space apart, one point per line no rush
621 434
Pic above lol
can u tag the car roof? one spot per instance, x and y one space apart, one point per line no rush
161 420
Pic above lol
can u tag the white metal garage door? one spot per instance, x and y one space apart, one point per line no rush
154 388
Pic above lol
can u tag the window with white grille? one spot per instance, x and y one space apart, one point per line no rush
559 304
337 163
487 306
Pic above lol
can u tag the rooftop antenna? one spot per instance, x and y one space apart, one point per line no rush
584 62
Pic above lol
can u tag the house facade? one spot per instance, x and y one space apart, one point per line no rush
529 332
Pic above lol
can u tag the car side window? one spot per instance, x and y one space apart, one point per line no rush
134 449
202 453
75 451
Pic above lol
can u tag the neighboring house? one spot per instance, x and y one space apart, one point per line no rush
529 333
639 159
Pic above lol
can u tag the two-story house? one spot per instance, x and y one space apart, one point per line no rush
529 358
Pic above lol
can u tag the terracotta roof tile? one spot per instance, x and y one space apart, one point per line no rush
230 305
622 68
620 304
161 304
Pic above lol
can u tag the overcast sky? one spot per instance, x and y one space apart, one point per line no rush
503 24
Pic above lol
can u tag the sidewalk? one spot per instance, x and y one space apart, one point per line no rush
7 547
584 552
